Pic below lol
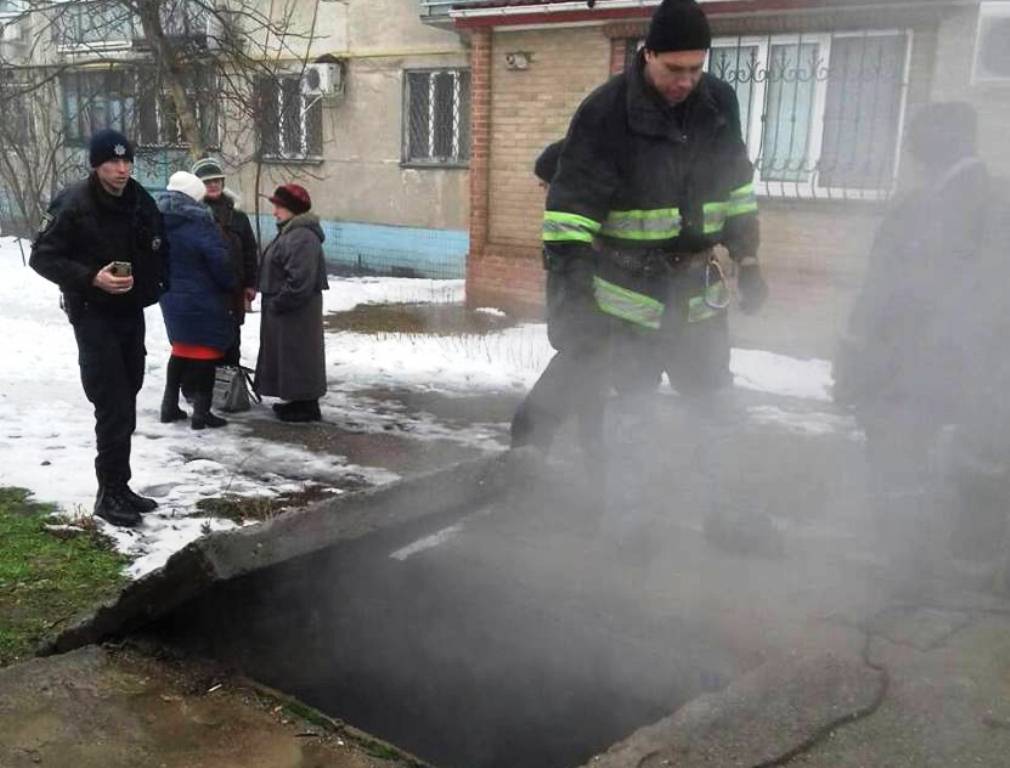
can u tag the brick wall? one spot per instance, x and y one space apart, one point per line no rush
528 110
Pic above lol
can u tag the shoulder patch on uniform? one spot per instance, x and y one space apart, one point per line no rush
47 221
156 244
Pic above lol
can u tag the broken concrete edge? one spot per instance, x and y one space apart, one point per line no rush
371 744
228 554
762 719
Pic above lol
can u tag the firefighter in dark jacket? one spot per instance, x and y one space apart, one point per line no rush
102 243
653 174
234 223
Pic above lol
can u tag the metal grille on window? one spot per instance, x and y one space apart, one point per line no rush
821 113
438 117
292 122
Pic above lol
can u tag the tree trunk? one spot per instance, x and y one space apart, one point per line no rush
171 72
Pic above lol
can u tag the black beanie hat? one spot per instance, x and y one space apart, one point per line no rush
108 144
678 25
547 163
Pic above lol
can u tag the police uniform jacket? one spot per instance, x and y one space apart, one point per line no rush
85 228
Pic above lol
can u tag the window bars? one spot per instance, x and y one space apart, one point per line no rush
437 112
292 121
821 114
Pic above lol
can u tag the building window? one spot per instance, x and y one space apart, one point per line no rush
292 123
94 23
132 101
437 117
821 114
102 24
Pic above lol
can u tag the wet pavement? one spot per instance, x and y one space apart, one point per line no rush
96 708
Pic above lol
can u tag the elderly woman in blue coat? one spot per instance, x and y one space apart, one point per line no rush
196 309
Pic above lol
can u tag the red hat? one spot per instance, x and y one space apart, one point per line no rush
293 197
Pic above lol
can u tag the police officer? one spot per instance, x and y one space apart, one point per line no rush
653 174
101 242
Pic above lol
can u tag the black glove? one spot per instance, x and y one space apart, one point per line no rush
573 318
752 286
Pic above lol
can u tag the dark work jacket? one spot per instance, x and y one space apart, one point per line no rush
242 247
196 307
84 229
637 174
926 301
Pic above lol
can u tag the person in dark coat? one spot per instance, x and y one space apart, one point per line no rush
90 230
196 307
292 356
652 176
242 245
908 361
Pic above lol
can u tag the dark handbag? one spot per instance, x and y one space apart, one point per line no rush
233 390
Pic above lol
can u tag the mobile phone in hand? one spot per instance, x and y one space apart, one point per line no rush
122 269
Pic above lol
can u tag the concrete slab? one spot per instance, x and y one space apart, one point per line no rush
922 628
765 717
450 492
947 706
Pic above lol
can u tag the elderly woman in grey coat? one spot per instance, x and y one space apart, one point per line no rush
292 361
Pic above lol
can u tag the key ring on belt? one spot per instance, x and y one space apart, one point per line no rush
713 265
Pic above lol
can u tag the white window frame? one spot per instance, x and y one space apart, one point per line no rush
455 160
988 9
754 132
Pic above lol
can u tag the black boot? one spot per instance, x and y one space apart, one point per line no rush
112 506
170 410
202 417
141 504
300 411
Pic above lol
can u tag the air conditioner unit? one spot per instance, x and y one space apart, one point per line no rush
992 44
323 80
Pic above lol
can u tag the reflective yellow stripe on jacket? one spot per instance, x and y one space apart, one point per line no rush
620 302
568 227
646 225
656 224
742 200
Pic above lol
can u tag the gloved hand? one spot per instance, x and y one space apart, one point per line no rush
573 318
752 286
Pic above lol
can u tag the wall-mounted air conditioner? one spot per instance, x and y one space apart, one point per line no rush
992 43
324 80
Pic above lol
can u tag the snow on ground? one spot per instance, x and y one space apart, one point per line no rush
47 438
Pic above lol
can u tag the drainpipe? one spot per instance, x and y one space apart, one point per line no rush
480 140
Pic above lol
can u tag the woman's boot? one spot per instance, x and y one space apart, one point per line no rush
202 417
170 410
299 411
203 394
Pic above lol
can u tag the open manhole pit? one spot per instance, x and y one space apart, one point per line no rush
451 653
467 617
